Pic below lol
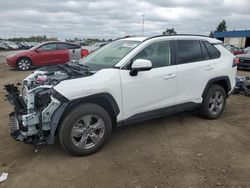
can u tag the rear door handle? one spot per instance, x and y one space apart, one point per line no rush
169 76
209 67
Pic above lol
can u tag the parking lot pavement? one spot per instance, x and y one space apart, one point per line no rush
181 150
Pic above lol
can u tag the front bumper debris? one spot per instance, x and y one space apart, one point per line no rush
31 121
14 127
15 99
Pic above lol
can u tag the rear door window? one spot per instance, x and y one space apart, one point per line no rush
48 47
73 46
188 51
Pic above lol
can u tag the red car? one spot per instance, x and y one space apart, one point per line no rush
48 53
238 51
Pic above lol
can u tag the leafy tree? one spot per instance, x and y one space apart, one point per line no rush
222 26
211 35
169 32
33 39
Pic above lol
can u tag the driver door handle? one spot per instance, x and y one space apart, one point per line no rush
169 76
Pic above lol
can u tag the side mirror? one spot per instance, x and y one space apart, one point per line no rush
38 50
140 65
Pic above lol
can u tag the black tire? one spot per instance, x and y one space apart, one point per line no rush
210 108
74 120
23 64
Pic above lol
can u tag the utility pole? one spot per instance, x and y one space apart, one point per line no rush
142 29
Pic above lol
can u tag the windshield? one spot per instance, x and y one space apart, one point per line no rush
109 55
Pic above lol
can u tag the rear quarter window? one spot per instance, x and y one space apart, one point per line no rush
73 46
212 51
63 46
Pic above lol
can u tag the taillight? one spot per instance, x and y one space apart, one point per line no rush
84 52
236 61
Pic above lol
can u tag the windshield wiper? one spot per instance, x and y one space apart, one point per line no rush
75 68
76 62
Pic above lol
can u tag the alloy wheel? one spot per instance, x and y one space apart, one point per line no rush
24 64
216 103
88 131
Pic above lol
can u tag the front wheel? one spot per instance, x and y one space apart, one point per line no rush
85 129
214 102
24 64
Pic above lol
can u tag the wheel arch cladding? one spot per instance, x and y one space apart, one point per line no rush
222 81
105 100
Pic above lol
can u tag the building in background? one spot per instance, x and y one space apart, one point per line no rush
239 38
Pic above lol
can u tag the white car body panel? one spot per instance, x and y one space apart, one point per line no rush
193 77
191 81
104 81
159 81
151 90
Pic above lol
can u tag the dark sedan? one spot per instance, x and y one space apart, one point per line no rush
244 61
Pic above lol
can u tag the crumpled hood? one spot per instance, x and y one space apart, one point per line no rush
52 75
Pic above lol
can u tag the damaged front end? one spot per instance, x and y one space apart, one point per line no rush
38 107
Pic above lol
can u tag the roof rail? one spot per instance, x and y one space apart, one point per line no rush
175 35
128 36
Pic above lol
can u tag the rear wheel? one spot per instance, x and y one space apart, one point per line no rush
214 102
24 64
85 129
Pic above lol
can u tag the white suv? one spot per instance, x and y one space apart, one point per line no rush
126 81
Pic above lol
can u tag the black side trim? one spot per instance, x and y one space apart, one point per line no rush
59 96
67 105
97 98
173 53
158 113
56 117
186 107
216 80
105 100
147 116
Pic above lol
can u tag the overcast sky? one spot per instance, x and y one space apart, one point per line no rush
114 18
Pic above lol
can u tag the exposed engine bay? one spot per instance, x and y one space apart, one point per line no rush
37 106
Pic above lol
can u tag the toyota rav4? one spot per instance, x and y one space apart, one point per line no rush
126 81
